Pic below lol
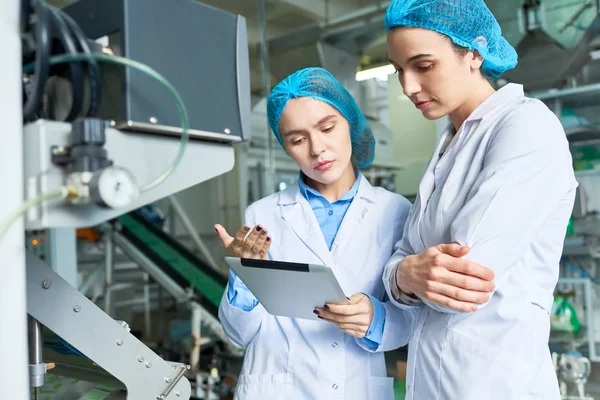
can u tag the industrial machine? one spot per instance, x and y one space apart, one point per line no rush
116 114
573 371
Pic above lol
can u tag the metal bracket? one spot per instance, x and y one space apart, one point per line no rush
69 314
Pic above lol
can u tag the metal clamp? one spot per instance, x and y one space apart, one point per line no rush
172 382
37 369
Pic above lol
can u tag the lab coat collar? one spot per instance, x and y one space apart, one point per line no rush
308 192
293 195
297 212
492 103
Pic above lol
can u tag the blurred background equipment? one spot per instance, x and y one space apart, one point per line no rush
573 371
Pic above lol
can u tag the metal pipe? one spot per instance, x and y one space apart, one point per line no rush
100 259
37 368
121 286
196 324
550 94
266 81
576 15
35 341
590 319
147 322
90 280
366 23
189 227
109 268
132 302
161 311
305 34
557 107
359 14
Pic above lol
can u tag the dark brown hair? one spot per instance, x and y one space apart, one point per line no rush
463 51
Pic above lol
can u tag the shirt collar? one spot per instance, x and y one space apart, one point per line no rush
307 191
292 194
501 96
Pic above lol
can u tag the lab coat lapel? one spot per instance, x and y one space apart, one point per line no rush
426 188
301 219
427 185
355 215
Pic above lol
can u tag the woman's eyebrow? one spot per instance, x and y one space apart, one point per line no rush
412 59
325 119
302 131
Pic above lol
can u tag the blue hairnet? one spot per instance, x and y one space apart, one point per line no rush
319 84
468 23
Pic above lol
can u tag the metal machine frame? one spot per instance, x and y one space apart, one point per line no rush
30 286
69 314
14 378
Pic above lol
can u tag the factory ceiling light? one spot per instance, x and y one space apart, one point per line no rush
380 72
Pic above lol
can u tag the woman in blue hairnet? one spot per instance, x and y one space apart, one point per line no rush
501 184
333 217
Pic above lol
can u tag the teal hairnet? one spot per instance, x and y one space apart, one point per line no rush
319 84
468 23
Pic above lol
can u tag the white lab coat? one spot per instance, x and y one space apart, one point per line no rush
293 359
506 188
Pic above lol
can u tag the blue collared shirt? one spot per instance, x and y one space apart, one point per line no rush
330 217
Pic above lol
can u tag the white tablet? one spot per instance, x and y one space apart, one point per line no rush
288 289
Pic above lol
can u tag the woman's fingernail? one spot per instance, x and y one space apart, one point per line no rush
268 238
259 228
264 233
320 317
216 230
246 228
316 312
348 298
326 307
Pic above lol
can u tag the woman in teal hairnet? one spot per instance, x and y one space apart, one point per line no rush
333 217
501 184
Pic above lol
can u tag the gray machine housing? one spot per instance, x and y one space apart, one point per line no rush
146 156
201 51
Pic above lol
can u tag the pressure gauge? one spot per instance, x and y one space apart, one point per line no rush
113 187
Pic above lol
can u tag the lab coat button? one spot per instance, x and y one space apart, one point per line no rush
334 345
335 386
330 212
